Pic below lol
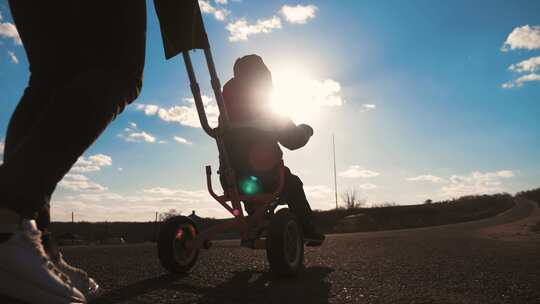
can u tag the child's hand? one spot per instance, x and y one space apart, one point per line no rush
309 129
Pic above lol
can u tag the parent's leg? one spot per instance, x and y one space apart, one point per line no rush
77 115
27 112
92 69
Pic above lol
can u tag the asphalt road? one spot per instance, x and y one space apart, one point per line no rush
486 261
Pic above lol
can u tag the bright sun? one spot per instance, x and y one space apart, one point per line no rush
299 96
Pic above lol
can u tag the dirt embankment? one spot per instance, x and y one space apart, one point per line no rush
525 228
464 209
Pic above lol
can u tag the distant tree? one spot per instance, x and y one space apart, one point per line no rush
428 201
351 199
168 214
383 205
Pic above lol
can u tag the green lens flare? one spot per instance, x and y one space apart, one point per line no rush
250 185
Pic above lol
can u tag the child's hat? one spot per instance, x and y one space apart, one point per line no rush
250 67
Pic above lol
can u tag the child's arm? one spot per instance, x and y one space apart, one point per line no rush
294 137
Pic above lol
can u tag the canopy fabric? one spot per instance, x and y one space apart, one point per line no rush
182 26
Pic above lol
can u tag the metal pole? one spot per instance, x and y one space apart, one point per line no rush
335 177
196 91
216 86
223 125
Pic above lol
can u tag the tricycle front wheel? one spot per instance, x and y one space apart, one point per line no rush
284 244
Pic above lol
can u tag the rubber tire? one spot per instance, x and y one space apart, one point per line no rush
275 244
166 237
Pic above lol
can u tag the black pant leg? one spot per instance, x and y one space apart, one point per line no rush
293 193
28 110
63 132
94 69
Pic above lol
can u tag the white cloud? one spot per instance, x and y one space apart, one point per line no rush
91 163
529 65
299 14
140 137
505 173
524 37
133 134
79 182
139 206
182 140
366 107
367 186
476 183
75 181
320 196
149 109
356 171
518 82
240 29
13 57
507 85
184 115
526 66
426 178
163 191
219 13
327 93
8 30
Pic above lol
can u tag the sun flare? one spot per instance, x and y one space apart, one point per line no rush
299 96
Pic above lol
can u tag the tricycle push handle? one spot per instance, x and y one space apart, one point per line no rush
197 95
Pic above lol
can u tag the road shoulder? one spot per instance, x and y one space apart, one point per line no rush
520 230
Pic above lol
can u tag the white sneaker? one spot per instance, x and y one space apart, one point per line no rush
28 274
78 277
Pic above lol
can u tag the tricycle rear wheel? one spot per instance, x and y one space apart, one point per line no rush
172 251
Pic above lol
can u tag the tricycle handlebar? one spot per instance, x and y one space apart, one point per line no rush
197 96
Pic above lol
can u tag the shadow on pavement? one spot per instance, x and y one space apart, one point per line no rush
139 288
263 287
243 287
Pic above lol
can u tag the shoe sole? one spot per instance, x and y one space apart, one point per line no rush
31 293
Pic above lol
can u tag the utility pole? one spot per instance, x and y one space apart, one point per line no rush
335 177
72 222
156 227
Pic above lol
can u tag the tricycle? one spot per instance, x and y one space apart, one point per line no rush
275 229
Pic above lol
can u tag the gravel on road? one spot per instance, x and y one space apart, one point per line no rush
445 264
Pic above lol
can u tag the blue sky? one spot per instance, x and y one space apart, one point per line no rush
427 99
